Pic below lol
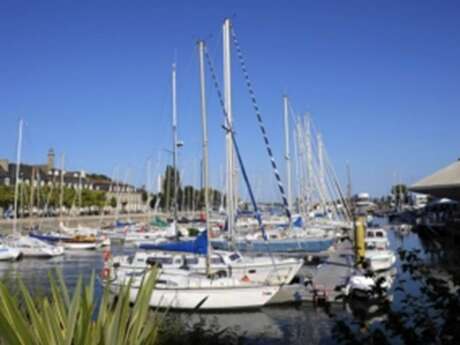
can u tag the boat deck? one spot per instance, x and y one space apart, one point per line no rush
322 278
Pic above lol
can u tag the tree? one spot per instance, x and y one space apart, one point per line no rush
171 177
144 196
113 202
400 194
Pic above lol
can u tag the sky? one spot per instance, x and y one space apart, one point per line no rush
92 79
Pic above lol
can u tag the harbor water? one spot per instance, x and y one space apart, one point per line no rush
291 324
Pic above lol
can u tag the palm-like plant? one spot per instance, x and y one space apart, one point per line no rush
61 319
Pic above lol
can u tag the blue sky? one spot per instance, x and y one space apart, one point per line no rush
92 79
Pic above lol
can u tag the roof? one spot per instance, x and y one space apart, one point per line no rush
444 183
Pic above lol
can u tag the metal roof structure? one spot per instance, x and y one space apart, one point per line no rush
444 183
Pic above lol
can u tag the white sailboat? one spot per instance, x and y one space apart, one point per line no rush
28 246
187 290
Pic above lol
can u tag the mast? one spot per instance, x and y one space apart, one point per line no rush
309 157
287 156
61 194
174 130
18 167
322 183
231 172
205 165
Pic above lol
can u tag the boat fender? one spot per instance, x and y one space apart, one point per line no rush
106 255
245 279
105 273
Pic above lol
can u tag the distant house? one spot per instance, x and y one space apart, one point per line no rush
40 175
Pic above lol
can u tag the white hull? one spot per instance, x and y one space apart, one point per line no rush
80 246
8 254
217 298
380 260
32 247
41 253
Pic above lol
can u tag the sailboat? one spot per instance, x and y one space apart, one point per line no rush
182 289
27 245
191 256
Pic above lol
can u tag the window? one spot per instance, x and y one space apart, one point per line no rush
217 260
191 261
234 257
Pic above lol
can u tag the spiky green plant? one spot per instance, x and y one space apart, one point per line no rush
62 319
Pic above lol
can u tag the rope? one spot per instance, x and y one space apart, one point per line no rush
261 124
240 161
229 129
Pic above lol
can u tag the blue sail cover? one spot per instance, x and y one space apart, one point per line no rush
298 222
197 246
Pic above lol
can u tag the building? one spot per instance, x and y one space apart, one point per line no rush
444 183
128 197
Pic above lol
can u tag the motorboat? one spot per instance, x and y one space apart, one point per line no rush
8 253
51 236
378 254
84 242
33 247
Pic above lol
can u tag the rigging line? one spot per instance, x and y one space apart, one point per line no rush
229 129
261 124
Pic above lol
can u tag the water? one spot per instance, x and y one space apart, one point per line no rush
271 325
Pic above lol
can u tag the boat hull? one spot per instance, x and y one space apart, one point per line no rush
316 245
9 254
226 298
80 245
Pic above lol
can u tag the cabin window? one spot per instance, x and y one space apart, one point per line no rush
217 260
162 260
191 261
234 257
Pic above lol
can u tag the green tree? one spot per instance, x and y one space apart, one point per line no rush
113 202
400 194
171 177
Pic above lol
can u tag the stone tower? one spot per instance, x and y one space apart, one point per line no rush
51 156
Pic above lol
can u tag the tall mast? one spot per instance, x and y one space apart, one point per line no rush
349 190
61 194
205 164
322 183
228 109
18 167
287 156
174 130
309 157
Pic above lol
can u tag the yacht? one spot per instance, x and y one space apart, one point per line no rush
33 247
